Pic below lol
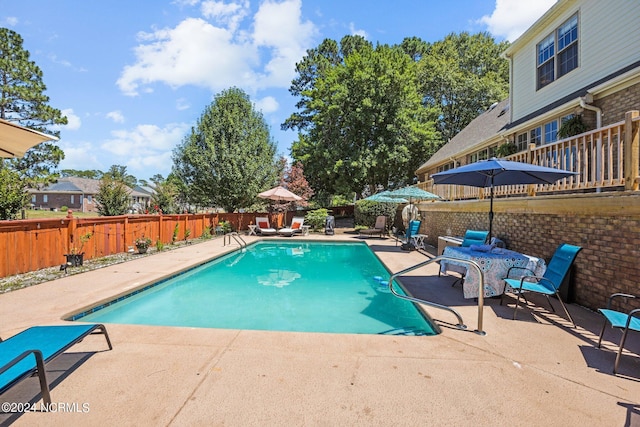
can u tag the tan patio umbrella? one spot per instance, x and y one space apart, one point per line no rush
15 140
279 194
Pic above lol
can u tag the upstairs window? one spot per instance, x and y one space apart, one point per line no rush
554 63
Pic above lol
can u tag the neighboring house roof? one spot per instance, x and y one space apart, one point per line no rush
482 128
149 191
72 185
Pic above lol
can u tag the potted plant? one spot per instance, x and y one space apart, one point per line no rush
75 257
142 244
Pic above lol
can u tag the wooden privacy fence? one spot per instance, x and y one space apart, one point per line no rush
32 244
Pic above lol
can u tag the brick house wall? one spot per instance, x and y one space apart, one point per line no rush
616 105
607 227
58 200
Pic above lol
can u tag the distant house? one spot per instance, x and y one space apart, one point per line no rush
78 194
141 197
581 58
75 193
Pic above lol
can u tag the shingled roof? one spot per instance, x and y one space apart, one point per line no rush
73 184
482 128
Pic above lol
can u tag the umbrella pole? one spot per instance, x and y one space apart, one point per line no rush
491 211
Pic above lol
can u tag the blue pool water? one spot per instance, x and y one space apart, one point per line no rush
283 286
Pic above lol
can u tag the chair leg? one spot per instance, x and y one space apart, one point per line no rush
604 326
565 310
550 305
624 338
515 307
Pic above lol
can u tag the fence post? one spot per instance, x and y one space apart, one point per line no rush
631 150
71 230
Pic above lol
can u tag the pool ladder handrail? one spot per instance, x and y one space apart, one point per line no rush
238 238
461 324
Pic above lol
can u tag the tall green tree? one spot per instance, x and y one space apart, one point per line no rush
461 76
12 194
361 121
165 195
119 173
229 156
23 100
113 197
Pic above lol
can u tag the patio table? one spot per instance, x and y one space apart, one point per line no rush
494 265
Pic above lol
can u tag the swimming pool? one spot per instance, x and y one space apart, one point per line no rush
275 285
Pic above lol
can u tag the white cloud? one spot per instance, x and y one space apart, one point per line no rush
11 21
227 14
79 155
147 148
355 32
182 104
220 55
512 17
73 121
278 26
195 52
116 116
267 105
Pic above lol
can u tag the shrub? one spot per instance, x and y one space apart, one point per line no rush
226 226
316 218
206 233
63 208
366 211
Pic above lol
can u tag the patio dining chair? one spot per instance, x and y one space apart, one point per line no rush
625 321
548 284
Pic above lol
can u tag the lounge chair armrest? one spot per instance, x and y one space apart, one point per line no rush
17 359
616 295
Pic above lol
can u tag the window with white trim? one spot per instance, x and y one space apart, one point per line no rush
535 136
554 63
551 132
522 142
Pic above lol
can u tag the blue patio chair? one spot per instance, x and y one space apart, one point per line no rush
474 237
549 283
412 230
626 321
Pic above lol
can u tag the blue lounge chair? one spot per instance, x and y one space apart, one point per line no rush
549 283
626 321
28 352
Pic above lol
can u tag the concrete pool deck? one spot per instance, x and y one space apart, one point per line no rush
531 371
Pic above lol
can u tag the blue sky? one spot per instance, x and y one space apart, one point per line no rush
133 77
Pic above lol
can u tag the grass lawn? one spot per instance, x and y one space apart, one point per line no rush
38 214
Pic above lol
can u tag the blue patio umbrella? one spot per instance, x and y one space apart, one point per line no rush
410 212
412 192
384 197
494 171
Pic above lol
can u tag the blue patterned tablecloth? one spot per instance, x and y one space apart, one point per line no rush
494 265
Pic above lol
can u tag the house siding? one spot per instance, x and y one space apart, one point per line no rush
607 32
